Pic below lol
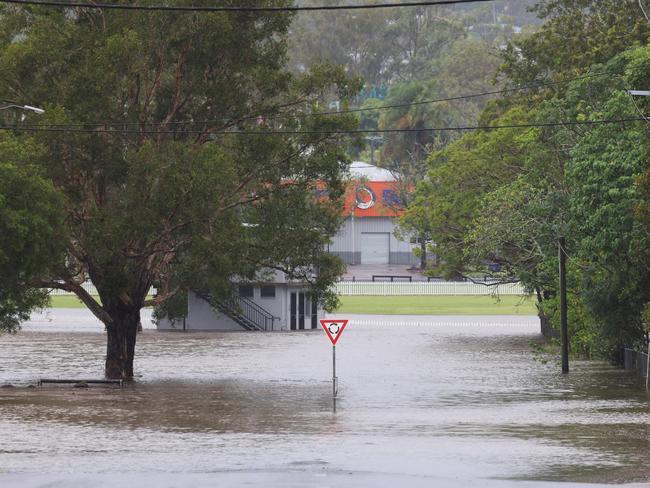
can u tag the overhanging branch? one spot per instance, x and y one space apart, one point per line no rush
88 300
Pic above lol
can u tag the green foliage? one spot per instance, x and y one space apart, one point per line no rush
460 177
588 183
380 45
387 46
195 165
31 226
466 67
576 34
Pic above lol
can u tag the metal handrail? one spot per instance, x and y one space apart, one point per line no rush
256 314
255 305
248 309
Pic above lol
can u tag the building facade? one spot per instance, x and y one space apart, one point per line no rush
367 236
275 305
372 207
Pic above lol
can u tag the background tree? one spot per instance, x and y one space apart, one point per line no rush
575 35
513 192
185 153
379 45
31 226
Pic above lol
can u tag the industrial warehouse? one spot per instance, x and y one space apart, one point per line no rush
365 238
367 235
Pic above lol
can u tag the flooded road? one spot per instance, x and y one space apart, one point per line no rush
444 400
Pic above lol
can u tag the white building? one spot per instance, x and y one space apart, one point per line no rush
366 237
371 209
278 304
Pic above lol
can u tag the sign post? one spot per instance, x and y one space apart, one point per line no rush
334 329
335 387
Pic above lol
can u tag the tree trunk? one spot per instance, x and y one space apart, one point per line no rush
120 344
546 328
423 253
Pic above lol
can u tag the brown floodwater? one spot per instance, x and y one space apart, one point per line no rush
420 399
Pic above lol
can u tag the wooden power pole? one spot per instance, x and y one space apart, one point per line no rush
564 326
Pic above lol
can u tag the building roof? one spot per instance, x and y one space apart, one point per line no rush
360 169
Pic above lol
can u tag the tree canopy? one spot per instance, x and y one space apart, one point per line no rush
182 151
505 196
31 228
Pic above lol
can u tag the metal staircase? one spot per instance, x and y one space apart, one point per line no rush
243 311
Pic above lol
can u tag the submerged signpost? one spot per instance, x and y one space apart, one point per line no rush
334 329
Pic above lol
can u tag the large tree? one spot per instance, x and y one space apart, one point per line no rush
575 35
381 45
507 195
184 153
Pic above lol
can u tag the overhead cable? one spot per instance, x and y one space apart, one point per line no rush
258 132
275 116
464 97
214 8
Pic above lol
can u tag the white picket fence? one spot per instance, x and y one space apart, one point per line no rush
386 288
90 288
426 288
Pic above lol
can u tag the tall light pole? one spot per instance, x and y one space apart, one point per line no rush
28 108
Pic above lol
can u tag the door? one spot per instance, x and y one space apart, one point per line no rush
301 311
297 310
314 314
375 248
293 310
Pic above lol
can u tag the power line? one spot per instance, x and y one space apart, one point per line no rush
340 112
565 123
464 97
191 8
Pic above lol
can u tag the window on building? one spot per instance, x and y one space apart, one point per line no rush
267 291
246 291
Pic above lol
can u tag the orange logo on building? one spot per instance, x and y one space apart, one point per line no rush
373 199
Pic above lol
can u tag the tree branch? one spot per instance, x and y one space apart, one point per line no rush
161 297
83 295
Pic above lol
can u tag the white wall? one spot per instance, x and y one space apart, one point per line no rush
202 317
347 242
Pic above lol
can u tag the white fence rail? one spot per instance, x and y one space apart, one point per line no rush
426 288
90 288
386 288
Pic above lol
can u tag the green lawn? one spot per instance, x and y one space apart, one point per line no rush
437 305
67 301
406 305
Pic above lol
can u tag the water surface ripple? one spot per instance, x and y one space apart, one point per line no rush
444 398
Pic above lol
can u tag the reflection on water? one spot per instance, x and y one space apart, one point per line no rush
448 398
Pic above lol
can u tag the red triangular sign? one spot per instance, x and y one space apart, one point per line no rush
333 328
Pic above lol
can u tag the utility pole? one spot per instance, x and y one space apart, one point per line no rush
643 93
372 140
564 326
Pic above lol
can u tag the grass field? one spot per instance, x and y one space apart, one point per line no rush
403 305
437 305
65 301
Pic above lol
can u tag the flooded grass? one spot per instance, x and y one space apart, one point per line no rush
437 305
434 401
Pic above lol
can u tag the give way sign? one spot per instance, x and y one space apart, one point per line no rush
333 328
